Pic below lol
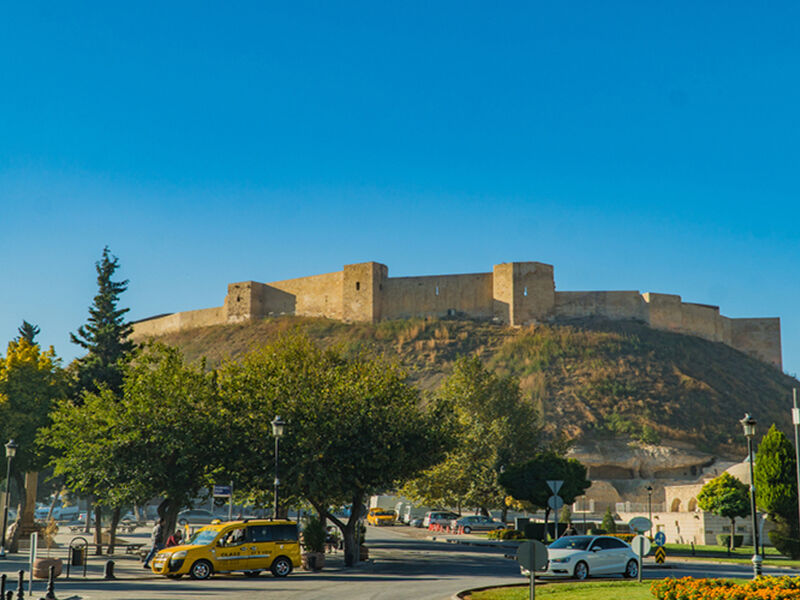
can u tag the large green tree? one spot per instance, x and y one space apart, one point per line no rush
493 427
31 381
776 489
528 481
355 427
164 436
726 497
105 336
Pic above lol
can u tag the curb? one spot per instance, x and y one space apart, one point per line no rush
463 593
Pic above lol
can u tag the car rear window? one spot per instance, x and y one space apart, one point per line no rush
272 533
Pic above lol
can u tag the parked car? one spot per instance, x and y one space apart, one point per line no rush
476 523
580 556
415 522
196 516
380 516
438 517
249 546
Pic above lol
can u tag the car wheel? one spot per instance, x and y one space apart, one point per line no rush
631 569
581 571
252 573
202 569
467 529
281 566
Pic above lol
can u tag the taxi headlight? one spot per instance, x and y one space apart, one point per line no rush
561 560
178 555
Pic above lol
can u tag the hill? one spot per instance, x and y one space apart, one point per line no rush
593 379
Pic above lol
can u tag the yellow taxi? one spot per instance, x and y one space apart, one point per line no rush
380 516
251 546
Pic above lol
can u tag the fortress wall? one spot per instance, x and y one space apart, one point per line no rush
523 292
417 296
758 337
315 296
179 321
612 305
701 320
664 311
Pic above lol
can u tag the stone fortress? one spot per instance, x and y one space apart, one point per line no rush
516 293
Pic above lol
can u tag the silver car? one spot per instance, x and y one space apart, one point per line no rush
196 516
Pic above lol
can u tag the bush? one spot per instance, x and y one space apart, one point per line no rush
313 534
725 539
608 522
784 538
506 534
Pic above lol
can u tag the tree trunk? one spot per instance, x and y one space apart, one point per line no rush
112 531
168 510
52 506
98 529
733 532
349 530
89 503
504 514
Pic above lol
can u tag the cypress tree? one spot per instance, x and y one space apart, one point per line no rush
105 335
28 332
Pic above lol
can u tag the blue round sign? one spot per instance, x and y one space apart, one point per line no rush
660 539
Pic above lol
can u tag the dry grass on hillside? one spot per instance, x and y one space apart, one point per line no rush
590 377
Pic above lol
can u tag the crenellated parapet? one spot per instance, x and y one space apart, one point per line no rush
516 293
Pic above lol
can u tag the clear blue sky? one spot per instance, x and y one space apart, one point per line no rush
632 145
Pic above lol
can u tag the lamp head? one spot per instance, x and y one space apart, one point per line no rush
11 449
649 489
278 426
748 425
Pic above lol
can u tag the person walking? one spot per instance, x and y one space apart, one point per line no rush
157 541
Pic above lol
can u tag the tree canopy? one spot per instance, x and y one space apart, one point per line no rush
492 426
727 497
354 426
105 335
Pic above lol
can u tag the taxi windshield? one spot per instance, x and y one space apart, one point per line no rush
202 537
383 513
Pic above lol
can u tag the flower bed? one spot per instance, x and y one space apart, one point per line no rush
763 588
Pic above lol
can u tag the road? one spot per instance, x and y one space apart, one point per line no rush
401 568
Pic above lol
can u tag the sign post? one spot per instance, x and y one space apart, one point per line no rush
640 544
532 555
555 501
660 554
225 491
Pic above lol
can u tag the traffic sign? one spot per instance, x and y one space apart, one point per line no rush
660 555
640 545
660 539
640 524
532 555
555 502
555 485
222 491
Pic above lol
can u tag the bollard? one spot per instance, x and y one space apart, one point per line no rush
21 586
109 570
10 595
51 585
3 586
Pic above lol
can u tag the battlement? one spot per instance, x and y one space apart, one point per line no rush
516 293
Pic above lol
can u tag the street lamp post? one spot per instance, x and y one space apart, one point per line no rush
278 426
749 426
650 507
11 451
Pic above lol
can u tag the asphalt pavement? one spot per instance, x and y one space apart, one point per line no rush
403 565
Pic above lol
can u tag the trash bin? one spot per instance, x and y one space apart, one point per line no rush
77 556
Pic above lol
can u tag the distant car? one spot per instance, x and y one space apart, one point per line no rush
380 516
476 523
580 556
438 517
196 516
415 522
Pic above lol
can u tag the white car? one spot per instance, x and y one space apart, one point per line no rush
580 556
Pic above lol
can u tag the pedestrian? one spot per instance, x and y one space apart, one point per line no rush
176 539
157 541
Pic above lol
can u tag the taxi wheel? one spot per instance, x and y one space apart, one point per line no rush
631 569
202 569
281 566
252 573
581 571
